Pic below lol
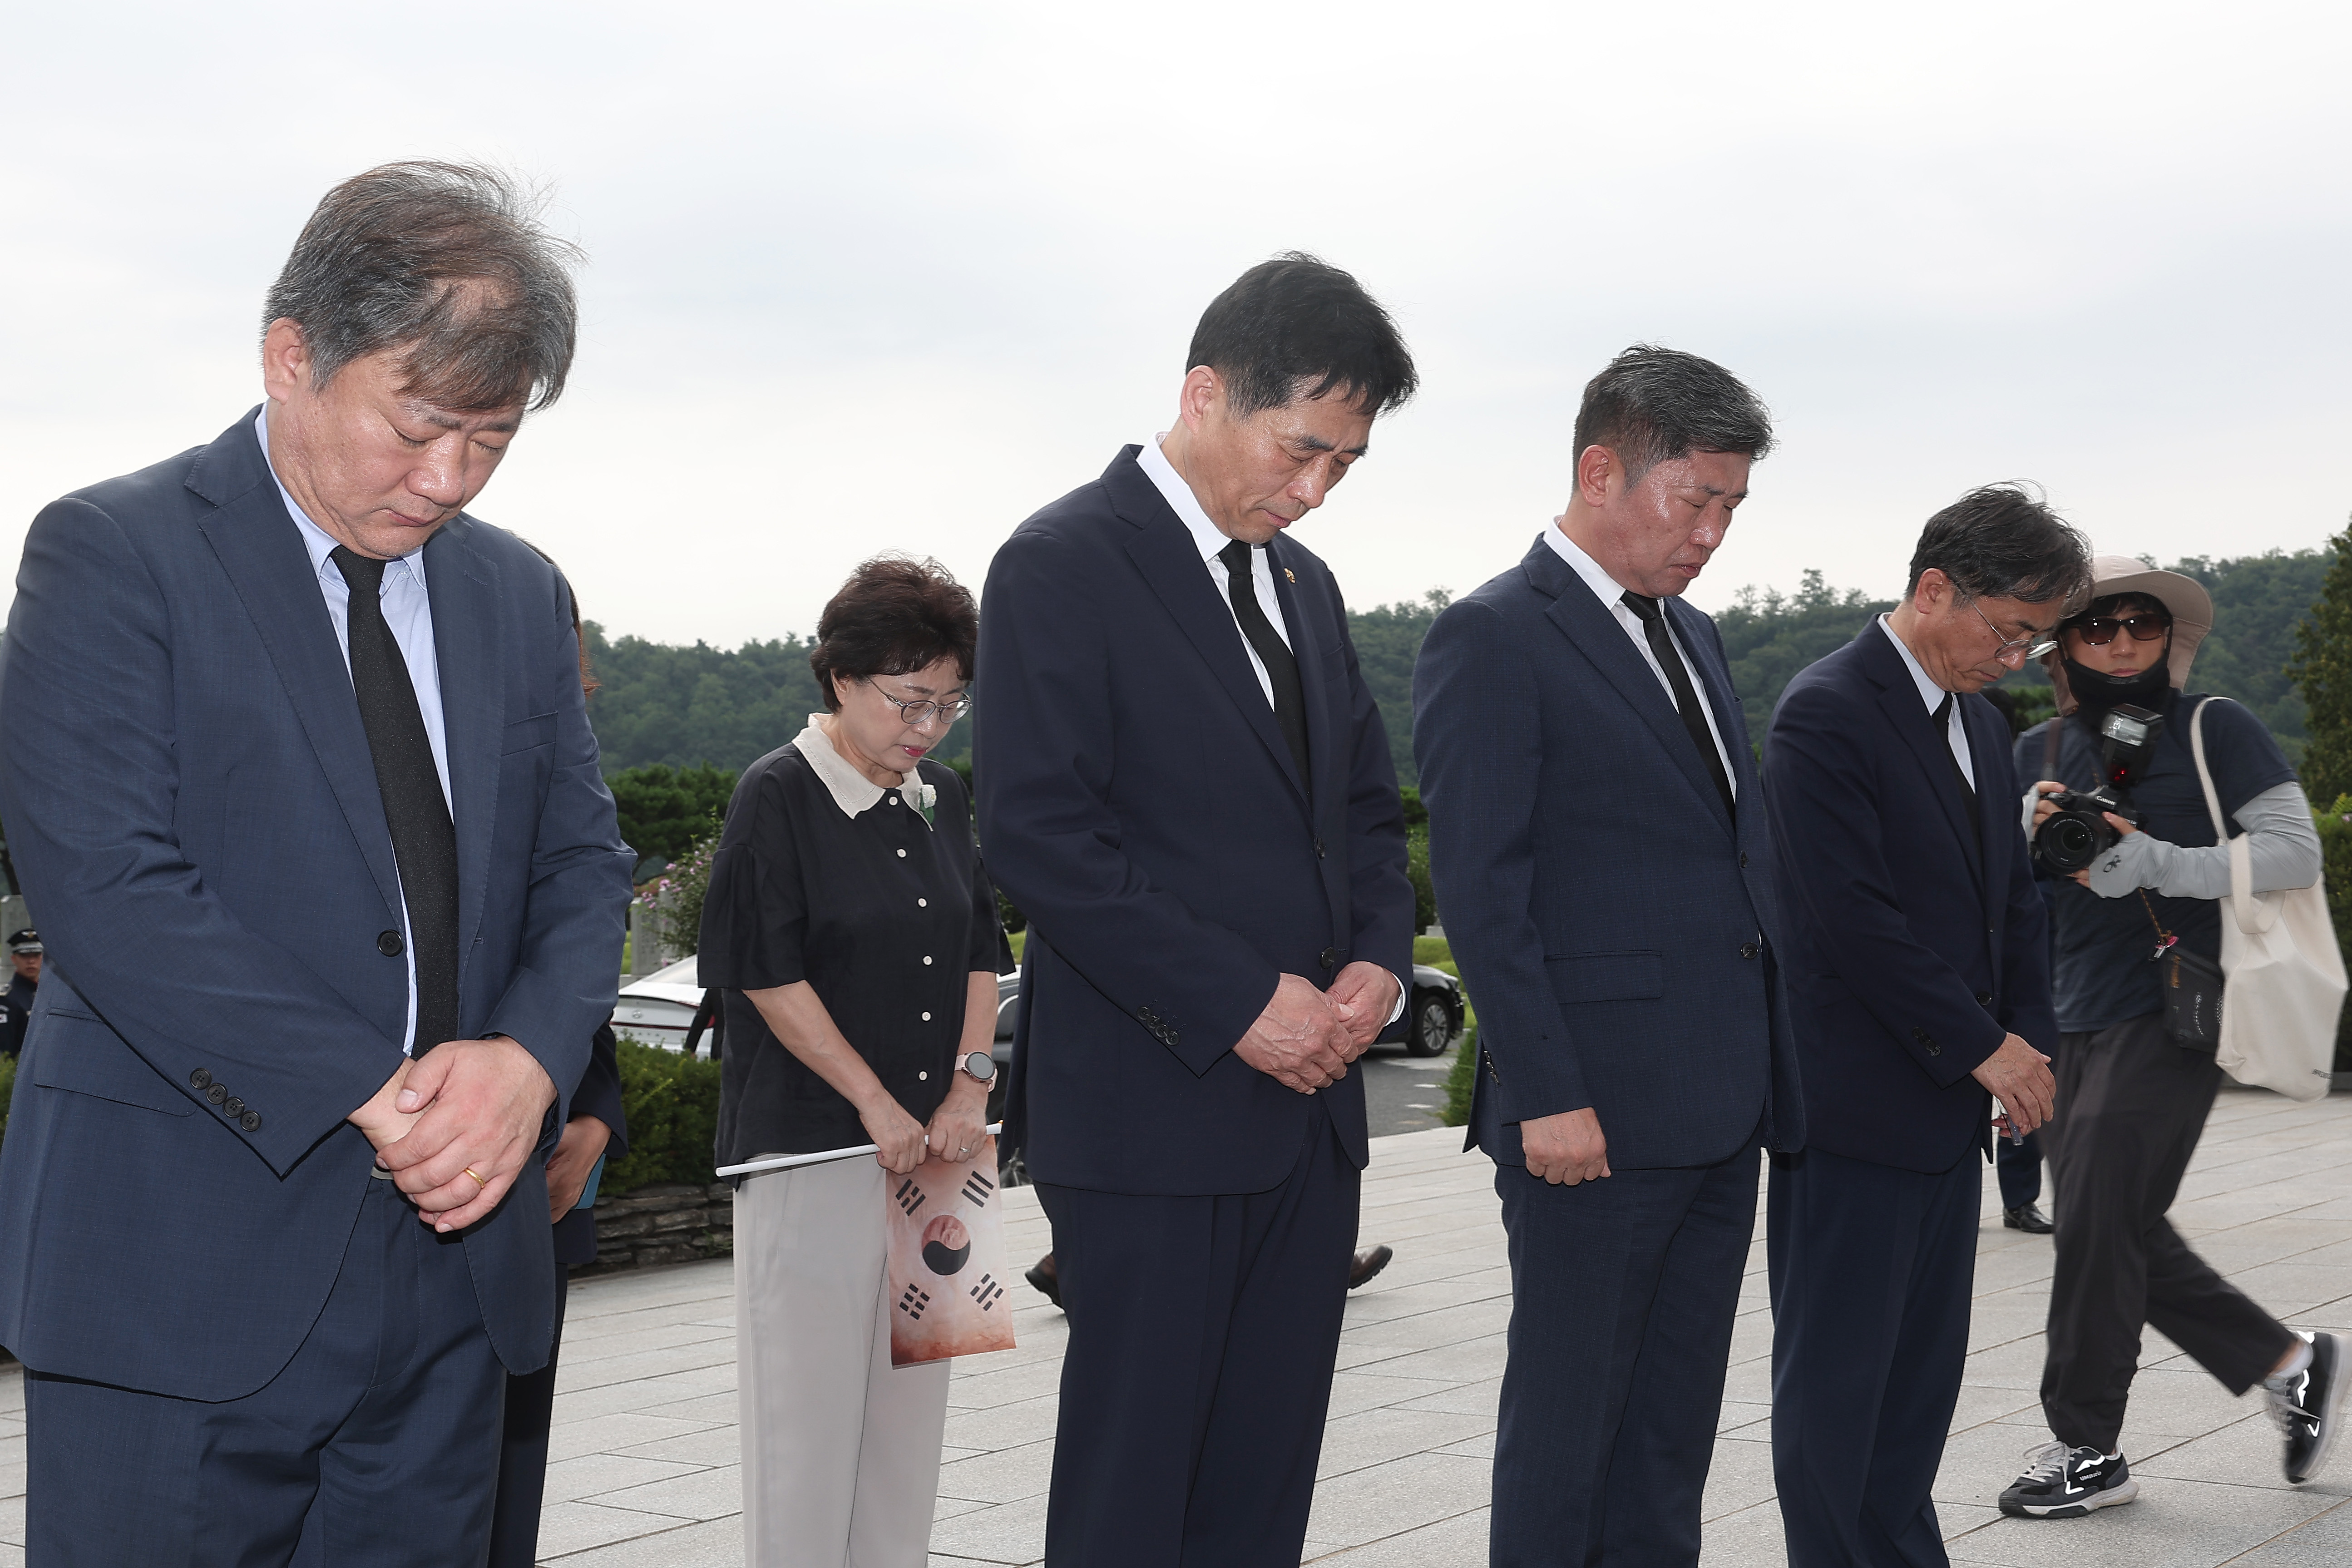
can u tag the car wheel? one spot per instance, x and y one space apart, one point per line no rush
1432 1028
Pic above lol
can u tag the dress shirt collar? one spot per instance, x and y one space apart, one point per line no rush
1929 692
1605 588
1206 536
852 790
317 540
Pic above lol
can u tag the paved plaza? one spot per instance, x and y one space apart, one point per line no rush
644 1472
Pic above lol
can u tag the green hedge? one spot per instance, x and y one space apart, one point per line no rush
672 1104
1461 1080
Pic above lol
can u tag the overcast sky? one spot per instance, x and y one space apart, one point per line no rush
895 276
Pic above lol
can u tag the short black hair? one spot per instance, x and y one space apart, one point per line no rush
894 617
1650 405
1297 327
2003 542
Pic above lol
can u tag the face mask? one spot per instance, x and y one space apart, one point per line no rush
2100 691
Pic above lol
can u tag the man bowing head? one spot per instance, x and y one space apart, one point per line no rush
295 766
1185 784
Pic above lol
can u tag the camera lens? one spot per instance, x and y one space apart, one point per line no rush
2067 843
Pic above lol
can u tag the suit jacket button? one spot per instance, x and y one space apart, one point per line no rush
1329 956
252 1122
234 1106
1934 1049
389 944
216 1094
1743 860
1984 998
200 1078
1318 850
1746 950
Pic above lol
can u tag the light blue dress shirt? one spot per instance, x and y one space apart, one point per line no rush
408 611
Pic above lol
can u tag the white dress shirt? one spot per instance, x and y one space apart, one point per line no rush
1612 594
1211 540
408 611
1955 735
1207 536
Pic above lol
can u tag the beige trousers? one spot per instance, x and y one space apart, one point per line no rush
841 1451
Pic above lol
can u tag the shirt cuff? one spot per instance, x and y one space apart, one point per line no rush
1403 991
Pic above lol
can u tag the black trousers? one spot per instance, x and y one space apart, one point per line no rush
2130 1108
522 1452
1203 1335
1872 1270
1623 1292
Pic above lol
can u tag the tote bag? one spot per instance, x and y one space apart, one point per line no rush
2283 974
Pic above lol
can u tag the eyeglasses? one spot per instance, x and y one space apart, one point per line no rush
2017 649
2100 630
917 711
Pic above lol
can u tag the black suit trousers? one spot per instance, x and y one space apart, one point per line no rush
2130 1108
1203 1335
1623 1291
1872 1270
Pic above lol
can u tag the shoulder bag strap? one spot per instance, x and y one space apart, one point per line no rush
2254 916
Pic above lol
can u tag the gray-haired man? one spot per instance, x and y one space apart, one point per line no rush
295 765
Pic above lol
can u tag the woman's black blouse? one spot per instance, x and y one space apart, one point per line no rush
884 918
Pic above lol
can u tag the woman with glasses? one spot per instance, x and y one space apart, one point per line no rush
854 937
2131 1100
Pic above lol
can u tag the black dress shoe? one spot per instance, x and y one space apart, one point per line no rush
2027 1219
1368 1262
1046 1278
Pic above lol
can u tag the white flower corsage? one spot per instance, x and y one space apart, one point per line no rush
927 795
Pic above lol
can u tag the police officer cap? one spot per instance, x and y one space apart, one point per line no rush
25 941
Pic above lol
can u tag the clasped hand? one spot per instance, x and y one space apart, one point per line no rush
455 1126
1305 1037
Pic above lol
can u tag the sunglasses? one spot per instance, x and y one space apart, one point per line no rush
2100 630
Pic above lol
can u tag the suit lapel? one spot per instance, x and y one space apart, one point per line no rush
463 586
1593 629
1898 699
260 549
1163 550
1714 681
1323 736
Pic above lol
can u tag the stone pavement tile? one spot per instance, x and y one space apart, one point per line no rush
1751 1335
1002 1426
12 1391
637 1339
12 1521
591 1475
2246 1453
1739 1415
709 1446
1373 1306
1376 1437
1007 1532
1380 1500
1425 1330
698 1494
1738 1477
1478 1398
986 1389
1980 1402
635 1366
2288 1289
12 1556
621 1433
2019 1313
721 1408
1354 1391
650 1395
1007 1474
1458 1360
1750 1381
2322 1542
12 1479
1979 1463
1482 1446
567 1527
712 1543
949 1507
2174 1524
1461 1539
1958 1519
1751 1538
2015 1363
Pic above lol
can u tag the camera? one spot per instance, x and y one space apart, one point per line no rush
2078 832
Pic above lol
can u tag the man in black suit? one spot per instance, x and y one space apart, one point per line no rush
1618 928
1184 783
1921 987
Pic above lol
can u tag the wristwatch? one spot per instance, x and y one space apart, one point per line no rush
978 1065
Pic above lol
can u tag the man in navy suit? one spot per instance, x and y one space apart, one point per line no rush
1184 783
1921 985
1602 862
295 764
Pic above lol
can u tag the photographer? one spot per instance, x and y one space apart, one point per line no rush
2131 1100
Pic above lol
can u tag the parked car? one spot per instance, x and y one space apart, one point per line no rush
658 1009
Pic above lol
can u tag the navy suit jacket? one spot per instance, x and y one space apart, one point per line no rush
1617 929
1918 945
1138 802
193 807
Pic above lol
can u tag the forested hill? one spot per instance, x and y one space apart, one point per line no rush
689 705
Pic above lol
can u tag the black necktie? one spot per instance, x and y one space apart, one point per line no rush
1281 668
1678 680
1960 774
424 841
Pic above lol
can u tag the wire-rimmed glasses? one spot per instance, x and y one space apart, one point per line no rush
917 711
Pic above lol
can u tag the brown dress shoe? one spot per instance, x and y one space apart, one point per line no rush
1368 1262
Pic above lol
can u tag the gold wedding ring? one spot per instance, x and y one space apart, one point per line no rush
478 1180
